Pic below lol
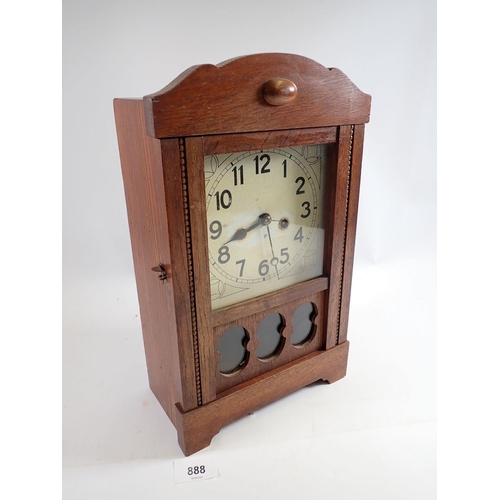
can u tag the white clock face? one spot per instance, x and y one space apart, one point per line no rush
265 221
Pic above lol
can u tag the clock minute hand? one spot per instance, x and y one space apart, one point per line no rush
274 259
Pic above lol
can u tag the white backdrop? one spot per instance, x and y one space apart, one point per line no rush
370 435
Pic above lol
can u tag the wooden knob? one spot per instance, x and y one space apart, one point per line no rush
279 91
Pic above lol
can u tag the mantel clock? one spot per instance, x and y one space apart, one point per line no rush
242 185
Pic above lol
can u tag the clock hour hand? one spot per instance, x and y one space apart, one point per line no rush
238 235
263 220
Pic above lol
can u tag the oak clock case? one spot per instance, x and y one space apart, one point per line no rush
242 187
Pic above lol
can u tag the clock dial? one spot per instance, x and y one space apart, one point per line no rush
265 221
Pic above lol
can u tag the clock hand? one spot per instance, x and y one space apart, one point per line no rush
272 251
263 220
242 232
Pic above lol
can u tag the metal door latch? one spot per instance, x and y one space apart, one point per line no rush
162 270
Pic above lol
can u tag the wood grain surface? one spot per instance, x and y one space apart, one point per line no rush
228 98
196 428
163 140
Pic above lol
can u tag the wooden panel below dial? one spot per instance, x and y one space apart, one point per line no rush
306 330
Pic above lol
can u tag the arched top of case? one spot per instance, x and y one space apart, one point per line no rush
229 98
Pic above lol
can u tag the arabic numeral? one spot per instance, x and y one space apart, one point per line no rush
224 255
224 199
197 469
285 255
299 236
242 264
307 206
300 181
216 229
265 168
238 174
263 268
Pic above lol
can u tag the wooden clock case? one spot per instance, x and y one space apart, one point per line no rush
163 140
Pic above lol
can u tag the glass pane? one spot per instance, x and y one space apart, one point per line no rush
233 353
270 339
265 220
303 327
